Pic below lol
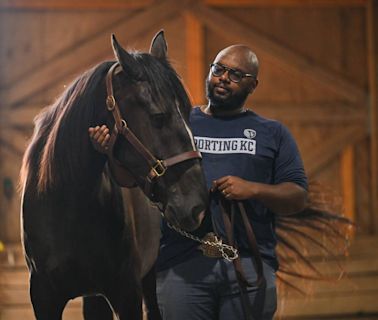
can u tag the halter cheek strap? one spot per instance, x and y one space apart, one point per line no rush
158 167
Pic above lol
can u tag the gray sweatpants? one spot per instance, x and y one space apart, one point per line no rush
205 288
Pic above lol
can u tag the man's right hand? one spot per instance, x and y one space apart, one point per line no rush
100 138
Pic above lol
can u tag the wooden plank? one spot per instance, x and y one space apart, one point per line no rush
340 307
20 117
356 285
330 148
277 53
25 312
312 113
347 182
353 266
195 68
11 148
134 4
12 257
14 140
333 112
286 3
88 53
363 189
372 42
14 278
20 296
73 4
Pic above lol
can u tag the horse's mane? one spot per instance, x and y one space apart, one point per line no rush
60 146
59 137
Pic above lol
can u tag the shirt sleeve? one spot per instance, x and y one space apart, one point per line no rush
288 163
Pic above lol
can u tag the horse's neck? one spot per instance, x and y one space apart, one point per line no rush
146 221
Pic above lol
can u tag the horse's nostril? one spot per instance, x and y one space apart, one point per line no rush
198 213
201 216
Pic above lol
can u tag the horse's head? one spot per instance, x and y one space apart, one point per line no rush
151 140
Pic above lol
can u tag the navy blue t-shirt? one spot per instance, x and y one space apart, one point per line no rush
250 147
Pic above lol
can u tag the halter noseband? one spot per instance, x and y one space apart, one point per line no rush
158 167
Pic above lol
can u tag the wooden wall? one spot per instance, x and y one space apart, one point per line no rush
318 75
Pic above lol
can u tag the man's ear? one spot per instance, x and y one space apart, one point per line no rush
254 84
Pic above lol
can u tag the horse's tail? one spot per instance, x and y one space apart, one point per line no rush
310 240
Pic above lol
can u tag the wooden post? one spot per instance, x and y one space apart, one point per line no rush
285 3
74 4
195 68
372 42
347 182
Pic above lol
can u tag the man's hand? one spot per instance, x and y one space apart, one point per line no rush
234 187
100 138
283 198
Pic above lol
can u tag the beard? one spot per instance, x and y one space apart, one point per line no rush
227 101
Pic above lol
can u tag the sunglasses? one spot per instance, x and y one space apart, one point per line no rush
218 70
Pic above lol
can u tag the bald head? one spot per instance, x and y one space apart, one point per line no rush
243 56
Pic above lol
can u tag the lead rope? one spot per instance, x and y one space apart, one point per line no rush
230 253
250 312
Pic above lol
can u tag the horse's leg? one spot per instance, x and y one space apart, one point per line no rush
96 308
127 304
47 303
126 294
149 295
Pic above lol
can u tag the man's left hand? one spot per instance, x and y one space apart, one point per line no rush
234 188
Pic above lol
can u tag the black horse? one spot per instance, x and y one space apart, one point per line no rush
78 240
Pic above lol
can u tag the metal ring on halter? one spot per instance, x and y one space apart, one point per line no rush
124 123
110 103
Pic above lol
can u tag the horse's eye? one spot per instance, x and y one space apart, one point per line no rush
159 119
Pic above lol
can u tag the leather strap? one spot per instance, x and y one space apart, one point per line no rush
229 219
157 167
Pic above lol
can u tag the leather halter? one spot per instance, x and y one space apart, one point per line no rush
158 167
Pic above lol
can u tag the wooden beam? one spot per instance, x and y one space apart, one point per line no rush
12 148
285 57
286 3
372 42
73 4
83 56
137 4
20 117
330 148
347 182
195 60
332 112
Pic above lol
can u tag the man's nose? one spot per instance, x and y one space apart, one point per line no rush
224 77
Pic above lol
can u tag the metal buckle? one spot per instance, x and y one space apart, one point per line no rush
110 102
159 168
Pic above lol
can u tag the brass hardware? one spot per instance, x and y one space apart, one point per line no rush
110 103
159 168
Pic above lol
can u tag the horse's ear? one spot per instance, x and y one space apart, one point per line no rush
159 46
126 60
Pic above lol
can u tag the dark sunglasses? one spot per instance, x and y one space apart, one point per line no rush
218 69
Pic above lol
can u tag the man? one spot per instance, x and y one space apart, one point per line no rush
246 158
